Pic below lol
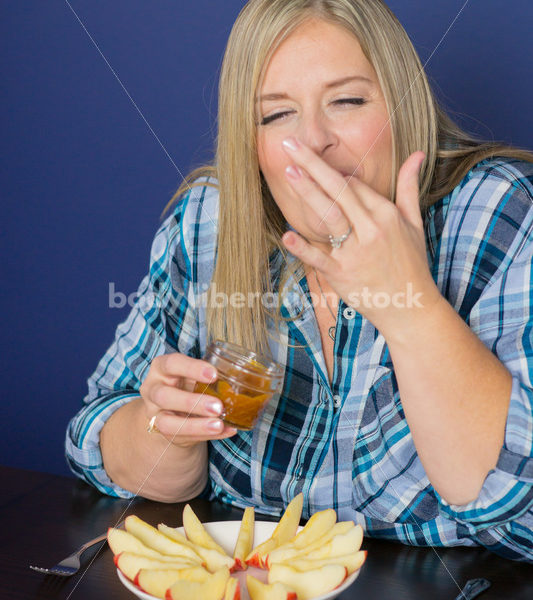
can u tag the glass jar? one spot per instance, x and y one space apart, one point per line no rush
246 382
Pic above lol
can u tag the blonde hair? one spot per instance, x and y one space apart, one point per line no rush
250 224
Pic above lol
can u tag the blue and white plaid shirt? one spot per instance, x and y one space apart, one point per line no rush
347 445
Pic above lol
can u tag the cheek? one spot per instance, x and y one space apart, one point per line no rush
381 158
371 137
272 160
380 136
372 144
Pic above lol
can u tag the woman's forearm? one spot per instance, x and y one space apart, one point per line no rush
147 464
455 394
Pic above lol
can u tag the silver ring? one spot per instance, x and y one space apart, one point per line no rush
336 242
152 426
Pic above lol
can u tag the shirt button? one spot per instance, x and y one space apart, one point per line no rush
337 401
348 313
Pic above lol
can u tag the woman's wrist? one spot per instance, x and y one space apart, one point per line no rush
146 463
420 315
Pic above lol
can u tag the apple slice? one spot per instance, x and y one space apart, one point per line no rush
245 540
352 562
157 581
315 528
284 531
196 532
154 539
121 541
308 584
215 561
211 589
268 591
344 543
339 528
212 559
233 589
176 535
130 564
258 554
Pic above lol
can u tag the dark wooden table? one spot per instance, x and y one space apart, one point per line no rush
44 517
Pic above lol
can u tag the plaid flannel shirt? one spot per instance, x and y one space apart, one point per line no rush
347 444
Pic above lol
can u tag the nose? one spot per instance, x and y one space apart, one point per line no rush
316 132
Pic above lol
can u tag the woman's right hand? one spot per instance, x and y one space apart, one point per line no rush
182 416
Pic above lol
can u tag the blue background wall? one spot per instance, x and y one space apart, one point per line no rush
83 180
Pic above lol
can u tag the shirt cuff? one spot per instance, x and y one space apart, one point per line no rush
82 448
507 493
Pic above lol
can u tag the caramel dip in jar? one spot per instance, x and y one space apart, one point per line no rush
246 382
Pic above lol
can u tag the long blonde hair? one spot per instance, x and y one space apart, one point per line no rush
250 224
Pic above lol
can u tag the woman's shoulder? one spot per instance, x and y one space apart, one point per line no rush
497 189
513 171
478 231
493 181
185 243
197 207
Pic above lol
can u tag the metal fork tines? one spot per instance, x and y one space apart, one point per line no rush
70 565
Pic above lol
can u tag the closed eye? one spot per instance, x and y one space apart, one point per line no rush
270 118
356 101
340 101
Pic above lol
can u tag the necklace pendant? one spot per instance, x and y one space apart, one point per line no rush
331 332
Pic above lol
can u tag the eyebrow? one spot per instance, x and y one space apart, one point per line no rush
332 84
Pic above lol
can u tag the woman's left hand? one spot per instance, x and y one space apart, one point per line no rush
382 265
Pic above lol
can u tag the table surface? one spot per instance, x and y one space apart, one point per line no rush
44 517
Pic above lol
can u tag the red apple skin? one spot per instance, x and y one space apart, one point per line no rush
345 576
136 580
168 595
237 592
238 565
115 559
255 561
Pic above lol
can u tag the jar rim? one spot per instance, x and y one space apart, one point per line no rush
242 356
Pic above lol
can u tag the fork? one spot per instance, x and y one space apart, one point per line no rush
71 565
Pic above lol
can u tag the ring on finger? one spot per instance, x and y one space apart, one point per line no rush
152 427
336 242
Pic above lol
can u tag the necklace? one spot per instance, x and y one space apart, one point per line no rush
331 330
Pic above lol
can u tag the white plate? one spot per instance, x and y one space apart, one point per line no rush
225 533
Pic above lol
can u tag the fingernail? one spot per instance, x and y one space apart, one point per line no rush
214 406
293 172
209 373
291 143
215 426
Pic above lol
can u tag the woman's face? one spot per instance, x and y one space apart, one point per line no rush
320 88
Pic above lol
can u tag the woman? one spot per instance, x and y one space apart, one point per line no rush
407 396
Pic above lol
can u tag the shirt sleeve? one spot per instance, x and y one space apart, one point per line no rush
163 319
493 247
